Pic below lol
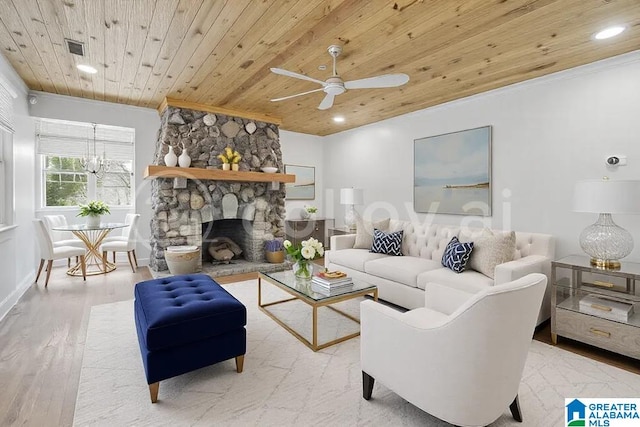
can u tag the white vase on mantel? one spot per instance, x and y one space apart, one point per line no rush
170 159
184 160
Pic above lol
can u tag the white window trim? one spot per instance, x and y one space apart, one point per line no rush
91 191
106 134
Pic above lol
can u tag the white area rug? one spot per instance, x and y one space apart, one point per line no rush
286 384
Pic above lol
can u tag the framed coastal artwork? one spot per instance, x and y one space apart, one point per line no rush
452 173
304 187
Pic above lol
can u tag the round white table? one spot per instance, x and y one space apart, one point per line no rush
92 237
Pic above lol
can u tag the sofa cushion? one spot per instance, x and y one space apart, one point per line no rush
456 255
468 281
404 269
387 243
364 232
354 258
491 249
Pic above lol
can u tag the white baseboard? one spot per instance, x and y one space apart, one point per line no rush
7 304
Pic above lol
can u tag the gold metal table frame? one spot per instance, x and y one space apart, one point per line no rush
315 304
92 238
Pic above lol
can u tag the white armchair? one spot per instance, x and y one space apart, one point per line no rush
460 358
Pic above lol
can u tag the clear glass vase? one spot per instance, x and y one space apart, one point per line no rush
303 269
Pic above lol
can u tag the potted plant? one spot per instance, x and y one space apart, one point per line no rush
308 212
303 254
92 211
274 251
230 159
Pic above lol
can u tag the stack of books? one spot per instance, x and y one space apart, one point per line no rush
331 282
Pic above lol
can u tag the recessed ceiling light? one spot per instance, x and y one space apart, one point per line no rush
338 119
609 32
86 68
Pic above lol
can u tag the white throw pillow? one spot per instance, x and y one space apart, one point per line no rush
491 249
364 232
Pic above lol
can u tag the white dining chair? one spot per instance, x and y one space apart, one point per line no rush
125 244
50 253
122 235
61 238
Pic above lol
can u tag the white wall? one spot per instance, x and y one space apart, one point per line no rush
18 250
305 150
146 123
547 134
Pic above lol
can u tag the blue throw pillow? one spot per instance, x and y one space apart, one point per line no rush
387 243
456 255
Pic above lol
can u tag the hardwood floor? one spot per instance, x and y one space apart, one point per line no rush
42 343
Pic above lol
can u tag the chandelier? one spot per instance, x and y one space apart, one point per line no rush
92 162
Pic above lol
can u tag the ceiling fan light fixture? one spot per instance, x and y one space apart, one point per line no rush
86 68
609 32
339 119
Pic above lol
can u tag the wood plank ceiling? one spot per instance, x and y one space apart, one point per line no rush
218 52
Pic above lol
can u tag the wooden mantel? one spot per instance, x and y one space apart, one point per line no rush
156 171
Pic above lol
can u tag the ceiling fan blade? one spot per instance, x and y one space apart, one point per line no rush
295 75
297 94
327 102
385 80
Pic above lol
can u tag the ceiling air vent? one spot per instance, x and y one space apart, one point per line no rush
77 48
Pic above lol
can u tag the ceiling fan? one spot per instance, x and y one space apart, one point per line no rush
335 86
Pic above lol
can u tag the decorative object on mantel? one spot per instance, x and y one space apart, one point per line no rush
170 159
605 241
250 128
351 197
303 254
184 160
230 157
269 169
92 212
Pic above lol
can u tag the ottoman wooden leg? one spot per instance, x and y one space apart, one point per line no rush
153 390
239 363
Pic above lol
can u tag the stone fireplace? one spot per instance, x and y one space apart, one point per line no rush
183 208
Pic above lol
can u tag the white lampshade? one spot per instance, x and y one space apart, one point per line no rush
351 196
607 196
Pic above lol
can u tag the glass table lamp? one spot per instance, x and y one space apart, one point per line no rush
350 197
605 241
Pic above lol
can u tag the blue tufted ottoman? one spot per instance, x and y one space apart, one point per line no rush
185 323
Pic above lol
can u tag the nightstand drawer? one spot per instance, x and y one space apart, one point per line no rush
603 333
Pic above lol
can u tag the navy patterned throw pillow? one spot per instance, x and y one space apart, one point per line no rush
456 255
387 243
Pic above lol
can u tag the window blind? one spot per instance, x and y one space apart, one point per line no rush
6 109
75 139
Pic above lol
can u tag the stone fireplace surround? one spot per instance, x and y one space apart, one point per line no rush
181 206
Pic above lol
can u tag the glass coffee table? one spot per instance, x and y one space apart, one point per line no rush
302 290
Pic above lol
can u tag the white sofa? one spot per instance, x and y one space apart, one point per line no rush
401 279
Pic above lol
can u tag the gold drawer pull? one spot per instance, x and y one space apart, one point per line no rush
603 284
595 331
600 307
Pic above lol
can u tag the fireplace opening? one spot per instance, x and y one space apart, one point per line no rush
223 240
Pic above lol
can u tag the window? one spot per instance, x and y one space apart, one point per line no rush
67 151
